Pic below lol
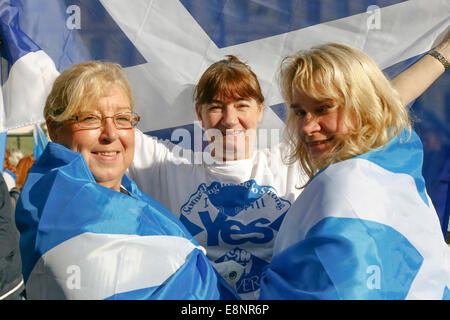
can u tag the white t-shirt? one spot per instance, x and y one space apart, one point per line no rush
234 209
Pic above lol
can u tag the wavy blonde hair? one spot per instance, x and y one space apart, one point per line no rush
79 87
372 109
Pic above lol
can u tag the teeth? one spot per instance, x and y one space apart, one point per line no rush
316 143
234 132
107 153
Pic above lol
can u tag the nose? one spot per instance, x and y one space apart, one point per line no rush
109 131
309 125
230 117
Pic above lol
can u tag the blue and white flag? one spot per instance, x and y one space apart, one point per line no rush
363 228
39 141
80 240
165 46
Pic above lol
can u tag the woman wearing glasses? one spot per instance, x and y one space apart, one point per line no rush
87 232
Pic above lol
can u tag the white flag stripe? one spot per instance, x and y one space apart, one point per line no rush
123 262
366 179
178 50
35 70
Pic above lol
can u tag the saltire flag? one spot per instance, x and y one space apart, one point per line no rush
165 46
39 141
80 240
364 228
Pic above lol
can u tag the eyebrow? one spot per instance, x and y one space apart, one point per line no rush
318 103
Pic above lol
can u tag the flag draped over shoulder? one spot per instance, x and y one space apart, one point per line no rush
364 228
80 240
165 46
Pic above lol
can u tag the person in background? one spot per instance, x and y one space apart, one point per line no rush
22 169
9 171
11 280
364 226
87 231
15 155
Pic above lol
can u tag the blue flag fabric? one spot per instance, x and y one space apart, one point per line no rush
80 240
3 139
363 228
39 141
154 39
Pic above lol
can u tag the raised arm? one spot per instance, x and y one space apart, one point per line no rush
412 82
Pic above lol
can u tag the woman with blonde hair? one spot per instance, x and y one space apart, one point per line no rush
234 204
369 111
87 231
364 226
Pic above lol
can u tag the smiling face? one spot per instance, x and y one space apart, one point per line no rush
341 105
231 123
319 124
107 150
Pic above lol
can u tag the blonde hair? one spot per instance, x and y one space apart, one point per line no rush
14 156
78 88
371 108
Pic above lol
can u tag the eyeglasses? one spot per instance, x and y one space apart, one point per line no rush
122 120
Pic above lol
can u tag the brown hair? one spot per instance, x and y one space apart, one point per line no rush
8 165
23 167
228 78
